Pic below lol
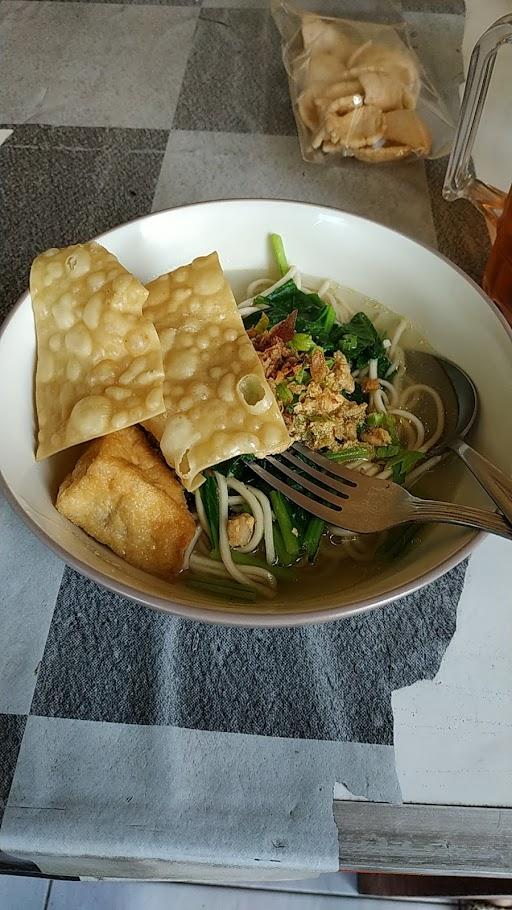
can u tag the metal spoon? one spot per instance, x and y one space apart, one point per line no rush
460 397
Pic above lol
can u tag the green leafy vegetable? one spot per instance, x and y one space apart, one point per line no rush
236 467
252 319
283 393
303 376
387 421
262 324
403 463
283 557
284 518
301 342
357 339
329 319
210 498
400 460
312 537
357 395
247 559
350 344
387 451
376 419
222 588
314 317
353 453
279 254
397 541
360 342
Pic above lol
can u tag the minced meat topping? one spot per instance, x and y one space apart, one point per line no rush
309 388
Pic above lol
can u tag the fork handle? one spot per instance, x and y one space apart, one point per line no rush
452 513
495 483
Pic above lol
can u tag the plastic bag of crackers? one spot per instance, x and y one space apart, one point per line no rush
357 87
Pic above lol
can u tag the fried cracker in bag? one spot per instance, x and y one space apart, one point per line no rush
357 87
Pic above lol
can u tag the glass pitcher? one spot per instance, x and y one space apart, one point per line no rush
461 180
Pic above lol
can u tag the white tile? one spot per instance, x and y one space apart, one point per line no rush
344 884
143 802
93 64
27 602
164 896
453 735
200 166
18 892
4 135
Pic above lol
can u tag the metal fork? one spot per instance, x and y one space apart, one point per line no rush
362 504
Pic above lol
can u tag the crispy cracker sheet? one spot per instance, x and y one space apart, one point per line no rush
218 402
99 361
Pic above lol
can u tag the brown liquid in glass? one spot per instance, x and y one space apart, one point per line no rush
497 280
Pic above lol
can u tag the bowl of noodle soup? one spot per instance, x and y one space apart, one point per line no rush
411 296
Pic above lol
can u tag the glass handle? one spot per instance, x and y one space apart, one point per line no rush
460 180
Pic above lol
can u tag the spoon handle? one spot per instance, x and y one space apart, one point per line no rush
494 481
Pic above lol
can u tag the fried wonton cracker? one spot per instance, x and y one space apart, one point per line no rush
218 402
406 128
99 361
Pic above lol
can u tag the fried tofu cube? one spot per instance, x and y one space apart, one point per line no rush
123 494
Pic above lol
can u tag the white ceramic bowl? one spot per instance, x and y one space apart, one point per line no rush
452 312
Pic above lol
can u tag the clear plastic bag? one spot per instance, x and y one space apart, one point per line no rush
357 87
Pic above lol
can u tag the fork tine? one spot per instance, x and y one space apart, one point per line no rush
322 492
354 478
344 488
315 508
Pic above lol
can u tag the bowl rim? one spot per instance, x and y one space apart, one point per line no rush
234 618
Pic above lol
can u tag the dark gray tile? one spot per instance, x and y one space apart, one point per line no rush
235 80
357 10
456 7
370 10
104 64
60 185
107 659
12 727
136 2
362 10
461 231
198 166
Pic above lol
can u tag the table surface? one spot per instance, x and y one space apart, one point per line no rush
142 745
